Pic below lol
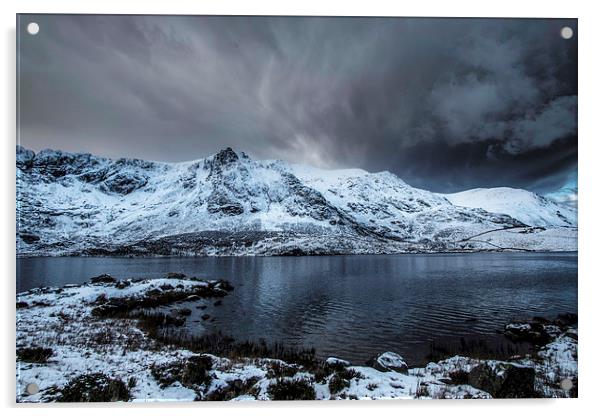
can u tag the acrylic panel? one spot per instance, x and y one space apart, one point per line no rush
295 208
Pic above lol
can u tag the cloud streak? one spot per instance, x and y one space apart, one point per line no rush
444 103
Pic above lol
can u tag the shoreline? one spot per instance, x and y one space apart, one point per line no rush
280 243
86 337
426 253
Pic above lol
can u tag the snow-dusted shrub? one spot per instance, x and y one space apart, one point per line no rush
34 354
192 372
286 389
94 387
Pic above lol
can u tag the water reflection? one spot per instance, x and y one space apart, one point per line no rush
354 306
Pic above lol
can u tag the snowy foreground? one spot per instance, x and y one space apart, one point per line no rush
81 343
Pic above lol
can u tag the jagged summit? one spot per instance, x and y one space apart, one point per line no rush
225 156
78 203
222 159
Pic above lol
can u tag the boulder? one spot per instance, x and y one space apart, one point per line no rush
175 275
335 364
225 285
122 284
103 278
566 319
533 332
333 361
389 361
571 333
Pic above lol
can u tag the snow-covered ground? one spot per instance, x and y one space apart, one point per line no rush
80 350
527 238
525 206
228 204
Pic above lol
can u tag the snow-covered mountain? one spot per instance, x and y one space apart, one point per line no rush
228 204
525 206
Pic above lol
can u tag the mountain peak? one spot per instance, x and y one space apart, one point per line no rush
225 156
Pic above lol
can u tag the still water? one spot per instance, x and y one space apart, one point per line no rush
353 307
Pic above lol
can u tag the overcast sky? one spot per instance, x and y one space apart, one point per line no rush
447 104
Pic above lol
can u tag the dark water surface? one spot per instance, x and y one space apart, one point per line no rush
353 307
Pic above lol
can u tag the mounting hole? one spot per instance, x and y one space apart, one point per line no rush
566 384
33 28
32 388
566 32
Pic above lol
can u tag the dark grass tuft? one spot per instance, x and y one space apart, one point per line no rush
152 320
234 388
277 369
285 389
34 354
94 387
459 377
342 379
192 372
337 383
226 346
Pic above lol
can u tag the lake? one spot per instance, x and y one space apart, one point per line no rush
353 307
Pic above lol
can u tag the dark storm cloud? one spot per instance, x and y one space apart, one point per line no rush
447 104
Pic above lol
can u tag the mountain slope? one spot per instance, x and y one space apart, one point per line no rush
228 204
392 208
525 206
